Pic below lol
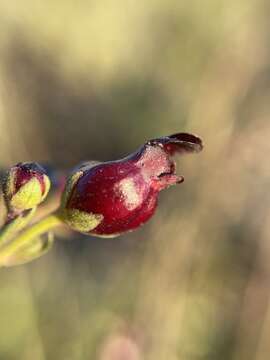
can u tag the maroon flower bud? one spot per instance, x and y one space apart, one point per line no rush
110 198
25 186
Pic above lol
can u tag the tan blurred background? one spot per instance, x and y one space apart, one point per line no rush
95 79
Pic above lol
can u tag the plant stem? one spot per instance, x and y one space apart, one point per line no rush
15 224
41 227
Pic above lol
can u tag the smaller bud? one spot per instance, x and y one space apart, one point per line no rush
25 186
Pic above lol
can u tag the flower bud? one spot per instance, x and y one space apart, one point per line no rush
25 186
110 198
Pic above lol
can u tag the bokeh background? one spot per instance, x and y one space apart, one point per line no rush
95 79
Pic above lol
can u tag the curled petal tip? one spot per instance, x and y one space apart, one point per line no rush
188 142
179 143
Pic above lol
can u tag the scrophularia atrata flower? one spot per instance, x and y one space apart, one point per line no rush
110 198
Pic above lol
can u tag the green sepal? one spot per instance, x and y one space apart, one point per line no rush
72 180
80 220
47 184
28 196
8 184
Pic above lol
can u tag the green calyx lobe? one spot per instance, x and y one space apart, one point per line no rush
71 182
80 220
28 196
8 184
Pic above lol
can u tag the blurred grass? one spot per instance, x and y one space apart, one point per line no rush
93 80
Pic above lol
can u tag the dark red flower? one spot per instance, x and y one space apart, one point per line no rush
107 199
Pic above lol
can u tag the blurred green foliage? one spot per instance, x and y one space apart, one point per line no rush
94 80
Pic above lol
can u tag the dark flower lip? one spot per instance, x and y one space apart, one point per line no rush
179 143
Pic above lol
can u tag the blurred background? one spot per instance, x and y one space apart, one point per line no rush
94 80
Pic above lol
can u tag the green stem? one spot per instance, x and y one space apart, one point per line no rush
41 227
11 227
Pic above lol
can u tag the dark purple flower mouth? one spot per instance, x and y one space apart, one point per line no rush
161 166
